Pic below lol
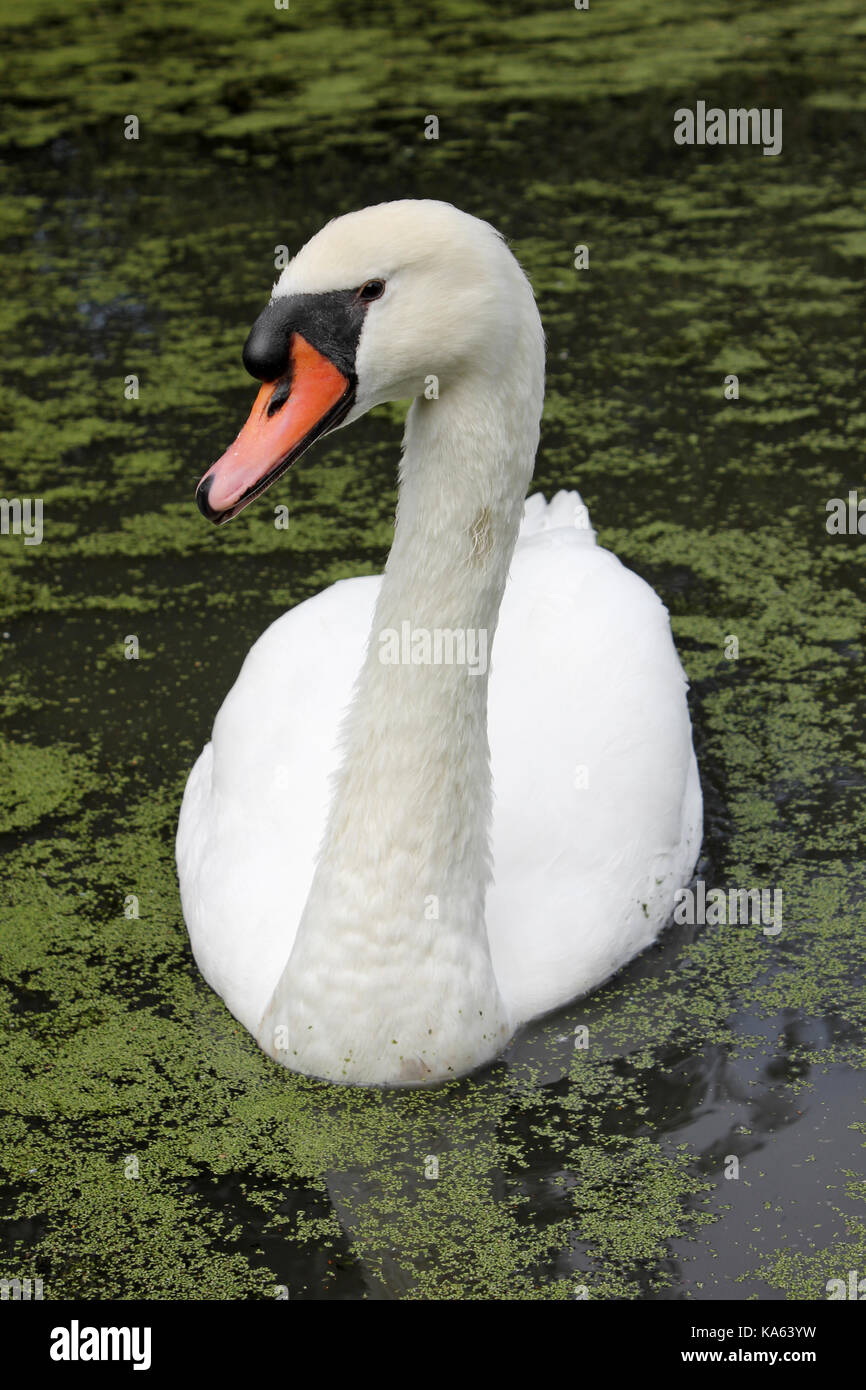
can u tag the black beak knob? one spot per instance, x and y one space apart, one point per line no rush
266 351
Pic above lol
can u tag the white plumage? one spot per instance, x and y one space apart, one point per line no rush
348 890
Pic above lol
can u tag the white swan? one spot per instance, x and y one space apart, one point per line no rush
362 898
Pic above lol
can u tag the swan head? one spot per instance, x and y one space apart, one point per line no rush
375 305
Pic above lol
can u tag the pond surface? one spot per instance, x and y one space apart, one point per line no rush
149 1148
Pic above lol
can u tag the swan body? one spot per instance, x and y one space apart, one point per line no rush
389 861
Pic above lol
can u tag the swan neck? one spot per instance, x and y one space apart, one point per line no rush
397 905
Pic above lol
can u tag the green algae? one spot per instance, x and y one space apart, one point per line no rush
36 783
149 1149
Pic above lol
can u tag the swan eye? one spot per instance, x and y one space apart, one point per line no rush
374 289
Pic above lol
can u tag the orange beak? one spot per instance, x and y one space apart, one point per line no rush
288 414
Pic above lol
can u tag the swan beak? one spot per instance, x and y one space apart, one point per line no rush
288 414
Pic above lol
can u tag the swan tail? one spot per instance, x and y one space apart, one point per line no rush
564 511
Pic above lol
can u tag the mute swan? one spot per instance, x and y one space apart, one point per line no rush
370 903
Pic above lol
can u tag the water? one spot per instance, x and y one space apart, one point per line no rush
149 1148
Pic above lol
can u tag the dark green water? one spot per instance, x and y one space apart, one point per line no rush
558 1168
